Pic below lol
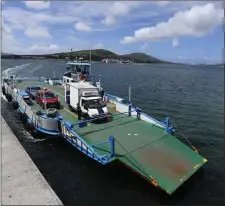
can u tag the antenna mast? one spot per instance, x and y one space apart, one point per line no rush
129 92
90 61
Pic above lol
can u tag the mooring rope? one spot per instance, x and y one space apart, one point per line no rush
194 148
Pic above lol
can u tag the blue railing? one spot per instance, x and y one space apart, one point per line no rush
104 159
164 124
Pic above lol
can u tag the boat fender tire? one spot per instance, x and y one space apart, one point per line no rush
15 105
24 118
9 97
3 90
6 96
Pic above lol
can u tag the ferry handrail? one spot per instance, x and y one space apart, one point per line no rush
84 142
146 115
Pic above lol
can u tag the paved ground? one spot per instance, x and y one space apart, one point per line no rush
22 182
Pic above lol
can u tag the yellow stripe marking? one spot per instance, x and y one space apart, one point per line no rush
74 114
196 166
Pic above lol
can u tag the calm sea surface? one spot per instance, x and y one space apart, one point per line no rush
192 96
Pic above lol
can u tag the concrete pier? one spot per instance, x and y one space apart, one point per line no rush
22 182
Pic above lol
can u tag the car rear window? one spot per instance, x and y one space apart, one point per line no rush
49 95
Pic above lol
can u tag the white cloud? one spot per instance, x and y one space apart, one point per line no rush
109 21
45 49
197 21
38 32
117 10
144 46
37 5
175 42
9 43
82 27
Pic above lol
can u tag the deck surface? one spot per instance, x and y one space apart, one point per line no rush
140 145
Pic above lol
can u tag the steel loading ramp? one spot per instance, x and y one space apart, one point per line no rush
166 162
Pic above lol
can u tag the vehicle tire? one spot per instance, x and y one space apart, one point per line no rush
9 97
24 118
6 96
15 105
86 116
58 106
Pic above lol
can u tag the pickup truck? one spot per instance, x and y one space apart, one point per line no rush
46 98
31 91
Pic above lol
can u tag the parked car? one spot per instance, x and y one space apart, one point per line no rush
47 97
25 96
31 91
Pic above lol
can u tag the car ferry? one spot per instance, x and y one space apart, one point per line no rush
145 145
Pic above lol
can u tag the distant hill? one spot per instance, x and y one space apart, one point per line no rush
99 54
96 55
142 58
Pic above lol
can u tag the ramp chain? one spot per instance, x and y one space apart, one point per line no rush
140 168
195 149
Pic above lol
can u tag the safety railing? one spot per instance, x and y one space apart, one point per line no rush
72 137
143 116
38 121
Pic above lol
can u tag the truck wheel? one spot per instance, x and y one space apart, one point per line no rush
86 116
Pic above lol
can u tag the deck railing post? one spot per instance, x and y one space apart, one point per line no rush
129 110
112 148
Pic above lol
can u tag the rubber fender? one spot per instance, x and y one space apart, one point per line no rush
15 105
9 97
24 118
3 90
6 96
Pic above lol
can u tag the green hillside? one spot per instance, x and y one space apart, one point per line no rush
99 54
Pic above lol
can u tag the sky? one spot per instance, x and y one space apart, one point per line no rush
178 31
